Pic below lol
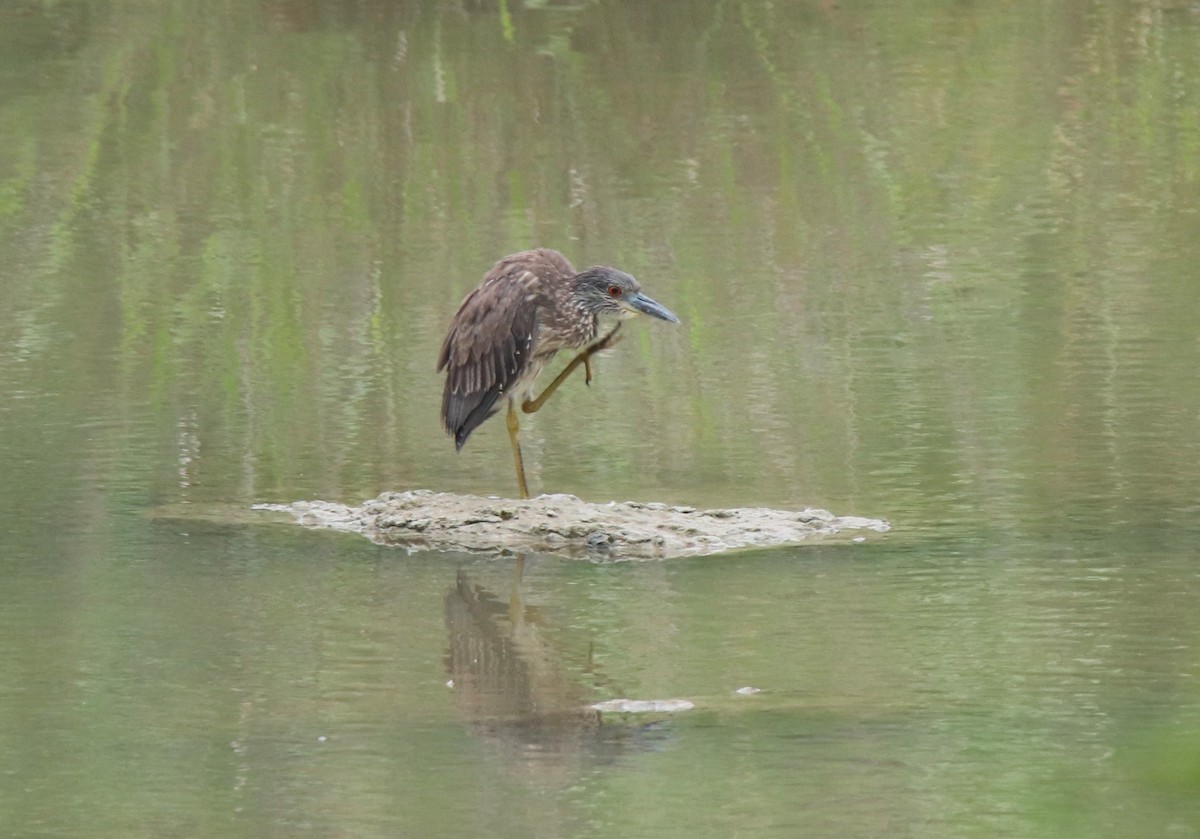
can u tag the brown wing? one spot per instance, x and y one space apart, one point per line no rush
490 342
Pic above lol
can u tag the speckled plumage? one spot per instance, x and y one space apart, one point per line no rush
504 333
529 306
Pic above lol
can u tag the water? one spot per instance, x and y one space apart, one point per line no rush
935 263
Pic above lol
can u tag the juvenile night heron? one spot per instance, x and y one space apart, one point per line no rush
528 307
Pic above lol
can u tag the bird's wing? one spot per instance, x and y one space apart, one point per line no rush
488 347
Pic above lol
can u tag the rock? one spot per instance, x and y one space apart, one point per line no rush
643 706
565 525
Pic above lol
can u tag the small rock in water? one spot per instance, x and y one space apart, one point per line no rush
644 706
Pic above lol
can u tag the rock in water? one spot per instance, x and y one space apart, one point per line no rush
565 525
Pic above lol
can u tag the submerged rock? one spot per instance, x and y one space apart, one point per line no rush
566 525
643 706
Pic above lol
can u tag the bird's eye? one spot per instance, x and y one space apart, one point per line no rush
614 291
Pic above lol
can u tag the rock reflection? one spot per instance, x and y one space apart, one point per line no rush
517 693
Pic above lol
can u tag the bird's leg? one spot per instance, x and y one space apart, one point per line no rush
609 340
513 428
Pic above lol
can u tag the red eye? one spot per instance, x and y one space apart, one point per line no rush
614 291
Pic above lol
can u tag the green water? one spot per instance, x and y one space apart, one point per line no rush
936 262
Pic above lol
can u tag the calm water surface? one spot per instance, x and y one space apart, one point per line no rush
935 262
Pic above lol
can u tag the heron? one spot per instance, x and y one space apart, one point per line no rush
529 306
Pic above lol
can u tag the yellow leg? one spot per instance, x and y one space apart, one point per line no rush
609 340
513 428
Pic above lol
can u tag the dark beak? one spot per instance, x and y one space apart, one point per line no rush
641 303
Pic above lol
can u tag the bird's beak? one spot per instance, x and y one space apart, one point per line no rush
641 303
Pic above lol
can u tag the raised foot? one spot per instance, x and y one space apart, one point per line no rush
531 405
607 342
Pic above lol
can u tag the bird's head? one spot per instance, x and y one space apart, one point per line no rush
607 291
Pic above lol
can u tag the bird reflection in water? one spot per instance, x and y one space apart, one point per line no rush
516 691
